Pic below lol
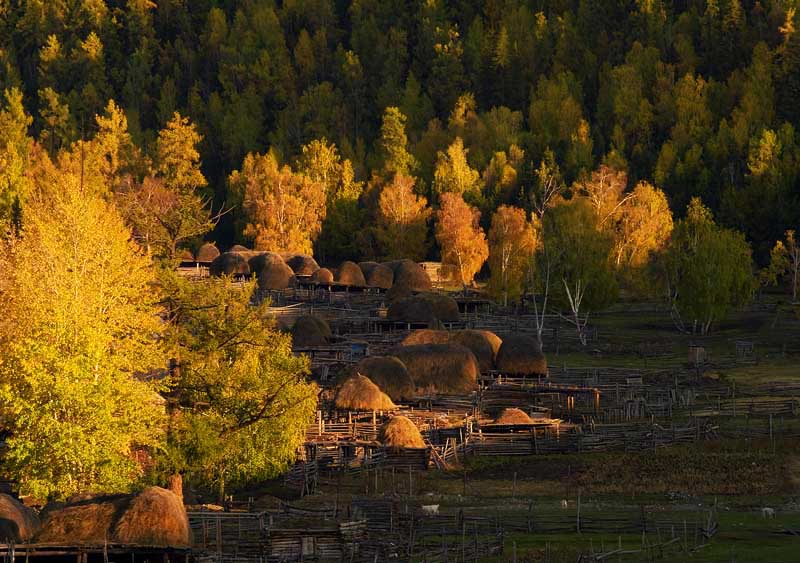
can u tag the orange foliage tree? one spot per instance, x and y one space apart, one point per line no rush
512 243
402 226
463 243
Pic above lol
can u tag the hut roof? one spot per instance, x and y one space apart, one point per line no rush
424 308
400 432
301 264
229 264
272 272
350 274
309 331
17 522
389 374
484 345
441 368
409 277
359 393
521 355
426 336
207 253
322 276
380 276
185 255
238 248
513 416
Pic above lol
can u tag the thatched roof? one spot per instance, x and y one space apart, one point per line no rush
185 255
441 368
229 264
301 264
389 374
521 355
350 274
272 272
409 277
153 517
359 393
310 331
484 345
513 416
424 308
322 276
426 336
399 432
207 253
18 523
238 248
380 276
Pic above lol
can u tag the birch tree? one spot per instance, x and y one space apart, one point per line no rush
463 243
512 243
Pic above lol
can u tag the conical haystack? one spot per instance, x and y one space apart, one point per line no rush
389 374
399 433
359 393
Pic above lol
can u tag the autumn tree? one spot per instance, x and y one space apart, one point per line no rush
245 398
512 243
459 234
178 159
605 189
784 259
81 332
284 209
549 185
708 270
393 144
402 222
15 145
643 227
453 173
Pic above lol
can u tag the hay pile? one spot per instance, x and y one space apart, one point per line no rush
229 264
426 336
424 308
389 374
207 253
440 368
238 248
301 264
409 277
185 255
513 416
272 272
350 274
18 523
484 344
153 517
521 355
322 276
399 433
310 331
359 393
377 275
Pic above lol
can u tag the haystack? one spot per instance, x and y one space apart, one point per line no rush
155 516
359 393
409 277
513 416
301 264
322 276
350 274
388 373
18 523
426 336
272 272
424 308
310 331
207 253
185 255
380 276
440 368
238 248
484 344
521 355
229 264
399 433
367 267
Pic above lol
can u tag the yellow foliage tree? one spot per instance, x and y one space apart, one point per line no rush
605 190
284 209
463 243
453 173
512 243
403 216
643 227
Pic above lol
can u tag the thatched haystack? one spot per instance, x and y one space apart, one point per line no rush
484 344
272 272
310 331
367 267
389 374
229 264
207 253
185 255
153 517
509 417
359 393
238 248
349 273
301 264
426 336
380 276
441 368
521 355
399 433
409 277
322 276
18 523
424 308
